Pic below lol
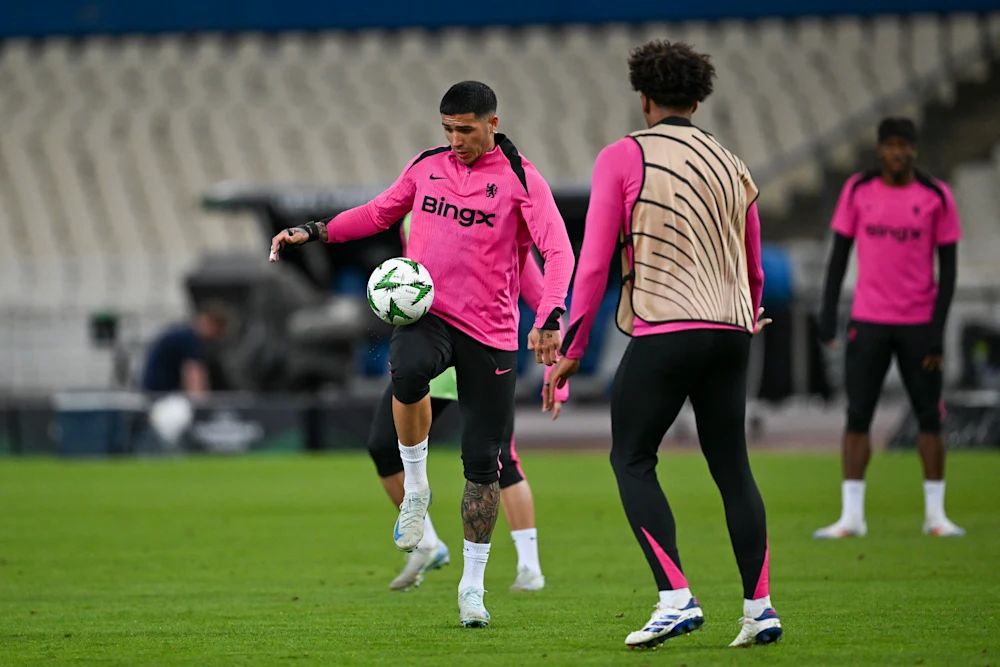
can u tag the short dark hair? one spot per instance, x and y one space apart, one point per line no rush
671 74
904 128
469 97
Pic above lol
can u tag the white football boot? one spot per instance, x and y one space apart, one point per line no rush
840 529
471 611
527 580
409 528
667 622
942 527
765 629
418 562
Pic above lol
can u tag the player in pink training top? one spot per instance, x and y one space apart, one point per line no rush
515 492
898 217
478 206
681 207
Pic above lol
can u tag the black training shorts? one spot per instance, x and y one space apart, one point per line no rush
486 377
870 349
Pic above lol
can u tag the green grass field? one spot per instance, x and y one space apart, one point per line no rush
286 560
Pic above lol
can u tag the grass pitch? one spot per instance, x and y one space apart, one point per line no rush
286 560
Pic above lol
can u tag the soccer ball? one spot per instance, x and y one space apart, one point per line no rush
400 291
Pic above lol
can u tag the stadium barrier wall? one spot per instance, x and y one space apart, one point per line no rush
104 424
113 423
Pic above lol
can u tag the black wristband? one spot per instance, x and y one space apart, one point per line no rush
311 229
552 323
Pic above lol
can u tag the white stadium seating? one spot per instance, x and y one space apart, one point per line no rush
107 143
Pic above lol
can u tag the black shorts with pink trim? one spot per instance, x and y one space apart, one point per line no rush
383 446
485 380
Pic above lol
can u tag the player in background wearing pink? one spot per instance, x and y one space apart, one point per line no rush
478 206
899 218
515 493
683 207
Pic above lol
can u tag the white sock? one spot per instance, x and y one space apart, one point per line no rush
676 599
852 497
526 543
934 500
475 556
754 608
414 466
430 539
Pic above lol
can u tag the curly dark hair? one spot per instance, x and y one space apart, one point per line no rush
671 74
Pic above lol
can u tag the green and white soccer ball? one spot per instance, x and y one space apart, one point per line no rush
400 291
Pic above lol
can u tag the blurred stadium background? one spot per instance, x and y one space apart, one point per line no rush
147 154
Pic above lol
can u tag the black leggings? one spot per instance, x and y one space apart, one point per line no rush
383 445
656 375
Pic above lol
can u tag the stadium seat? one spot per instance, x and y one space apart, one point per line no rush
962 38
886 67
975 188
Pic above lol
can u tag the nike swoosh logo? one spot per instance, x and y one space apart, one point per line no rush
504 372
437 178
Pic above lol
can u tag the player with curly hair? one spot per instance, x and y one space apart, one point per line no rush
680 206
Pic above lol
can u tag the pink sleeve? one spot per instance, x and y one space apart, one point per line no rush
845 219
947 229
618 165
755 270
532 282
548 231
562 393
377 215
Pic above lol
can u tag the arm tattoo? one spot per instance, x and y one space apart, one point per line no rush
480 503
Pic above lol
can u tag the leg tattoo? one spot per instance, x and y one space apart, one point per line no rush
480 503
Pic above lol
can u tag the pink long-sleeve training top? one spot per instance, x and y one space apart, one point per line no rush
532 288
472 227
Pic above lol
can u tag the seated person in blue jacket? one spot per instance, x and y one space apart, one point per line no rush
176 359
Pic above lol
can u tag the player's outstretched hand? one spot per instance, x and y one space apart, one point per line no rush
562 372
761 321
545 343
290 236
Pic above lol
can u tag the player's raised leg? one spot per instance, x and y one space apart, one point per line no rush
431 553
486 382
867 359
649 389
417 353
